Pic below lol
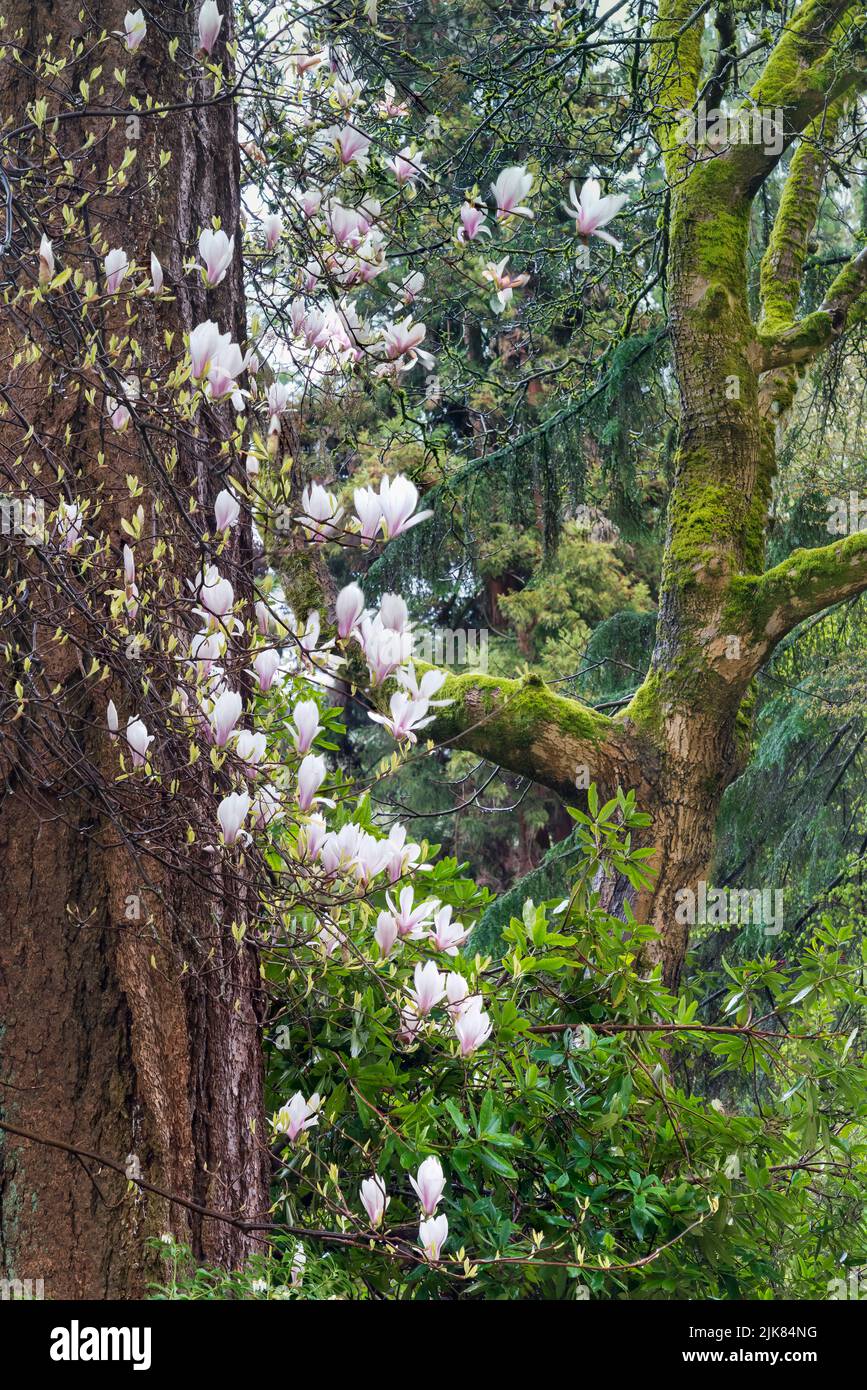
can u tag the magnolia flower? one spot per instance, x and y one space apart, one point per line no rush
503 282
368 509
139 741
370 857
305 717
389 106
278 400
511 187
226 365
225 715
410 1025
307 644
215 593
410 288
135 29
386 933
272 226
263 617
393 612
374 1199
118 414
398 498
472 220
266 807
70 524
447 935
404 718
265 665
156 275
457 991
351 145
472 1027
384 649
311 774
205 340
46 261
345 93
432 1236
401 855
210 23
115 266
425 689
321 509
429 988
369 260
591 211
227 510
130 586
310 200
231 813
338 851
298 1115
302 61
348 609
348 227
111 718
408 920
311 836
296 1270
400 344
206 648
216 250
408 165
250 749
429 1184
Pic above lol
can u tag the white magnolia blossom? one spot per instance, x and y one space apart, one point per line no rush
216 250
592 212
510 189
134 28
432 1236
210 23
298 1115
139 741
231 813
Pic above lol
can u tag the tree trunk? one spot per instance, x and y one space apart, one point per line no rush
130 1017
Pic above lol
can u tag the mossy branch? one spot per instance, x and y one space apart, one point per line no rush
525 727
783 262
810 68
675 69
807 582
844 305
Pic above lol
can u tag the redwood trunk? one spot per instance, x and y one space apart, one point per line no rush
129 1018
